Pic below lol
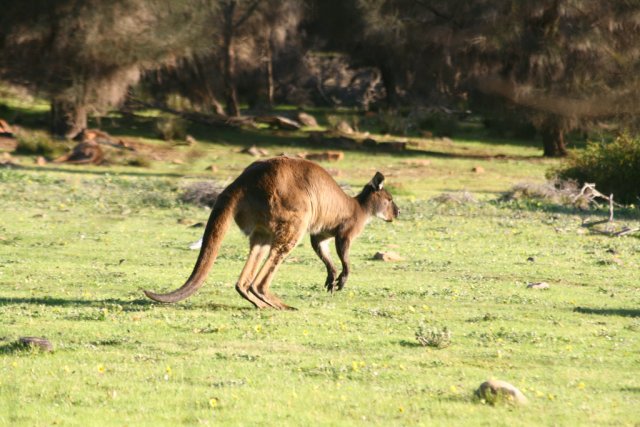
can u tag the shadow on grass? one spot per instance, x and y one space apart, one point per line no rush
410 344
99 170
18 347
13 347
623 312
533 205
127 305
139 126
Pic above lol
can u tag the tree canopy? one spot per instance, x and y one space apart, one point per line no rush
554 63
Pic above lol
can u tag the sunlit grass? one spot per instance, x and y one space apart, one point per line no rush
77 245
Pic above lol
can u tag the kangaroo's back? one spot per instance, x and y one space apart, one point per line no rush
278 189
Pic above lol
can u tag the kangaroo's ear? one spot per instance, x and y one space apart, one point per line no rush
376 181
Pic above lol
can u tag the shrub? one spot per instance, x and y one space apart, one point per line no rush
440 124
201 193
393 123
433 337
171 128
614 167
36 143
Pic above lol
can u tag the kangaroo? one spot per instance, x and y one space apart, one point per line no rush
275 202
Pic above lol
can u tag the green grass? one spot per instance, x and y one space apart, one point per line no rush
77 245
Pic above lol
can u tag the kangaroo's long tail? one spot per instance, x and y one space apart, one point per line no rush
219 222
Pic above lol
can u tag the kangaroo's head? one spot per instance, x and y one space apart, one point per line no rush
377 200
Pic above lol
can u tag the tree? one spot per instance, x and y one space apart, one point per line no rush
251 31
561 61
85 54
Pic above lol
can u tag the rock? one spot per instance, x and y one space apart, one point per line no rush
7 160
36 343
211 168
190 140
388 256
496 391
538 285
477 169
344 127
196 245
307 119
40 161
419 162
327 156
253 150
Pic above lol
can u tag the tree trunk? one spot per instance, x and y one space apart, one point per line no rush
390 85
269 61
228 72
68 118
553 140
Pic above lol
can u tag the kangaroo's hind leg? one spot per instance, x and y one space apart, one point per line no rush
282 245
259 245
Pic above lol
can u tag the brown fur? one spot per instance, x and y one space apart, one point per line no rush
275 202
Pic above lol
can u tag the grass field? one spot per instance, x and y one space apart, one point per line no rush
77 245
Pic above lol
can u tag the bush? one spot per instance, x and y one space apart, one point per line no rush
36 143
440 124
614 167
433 337
171 128
201 193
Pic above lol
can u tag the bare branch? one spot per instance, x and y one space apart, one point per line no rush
247 14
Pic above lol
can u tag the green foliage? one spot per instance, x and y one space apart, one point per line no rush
433 336
171 128
37 143
440 124
392 122
613 166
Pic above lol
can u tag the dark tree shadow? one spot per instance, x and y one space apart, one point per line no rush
624 312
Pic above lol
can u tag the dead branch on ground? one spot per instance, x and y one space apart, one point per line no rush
590 193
